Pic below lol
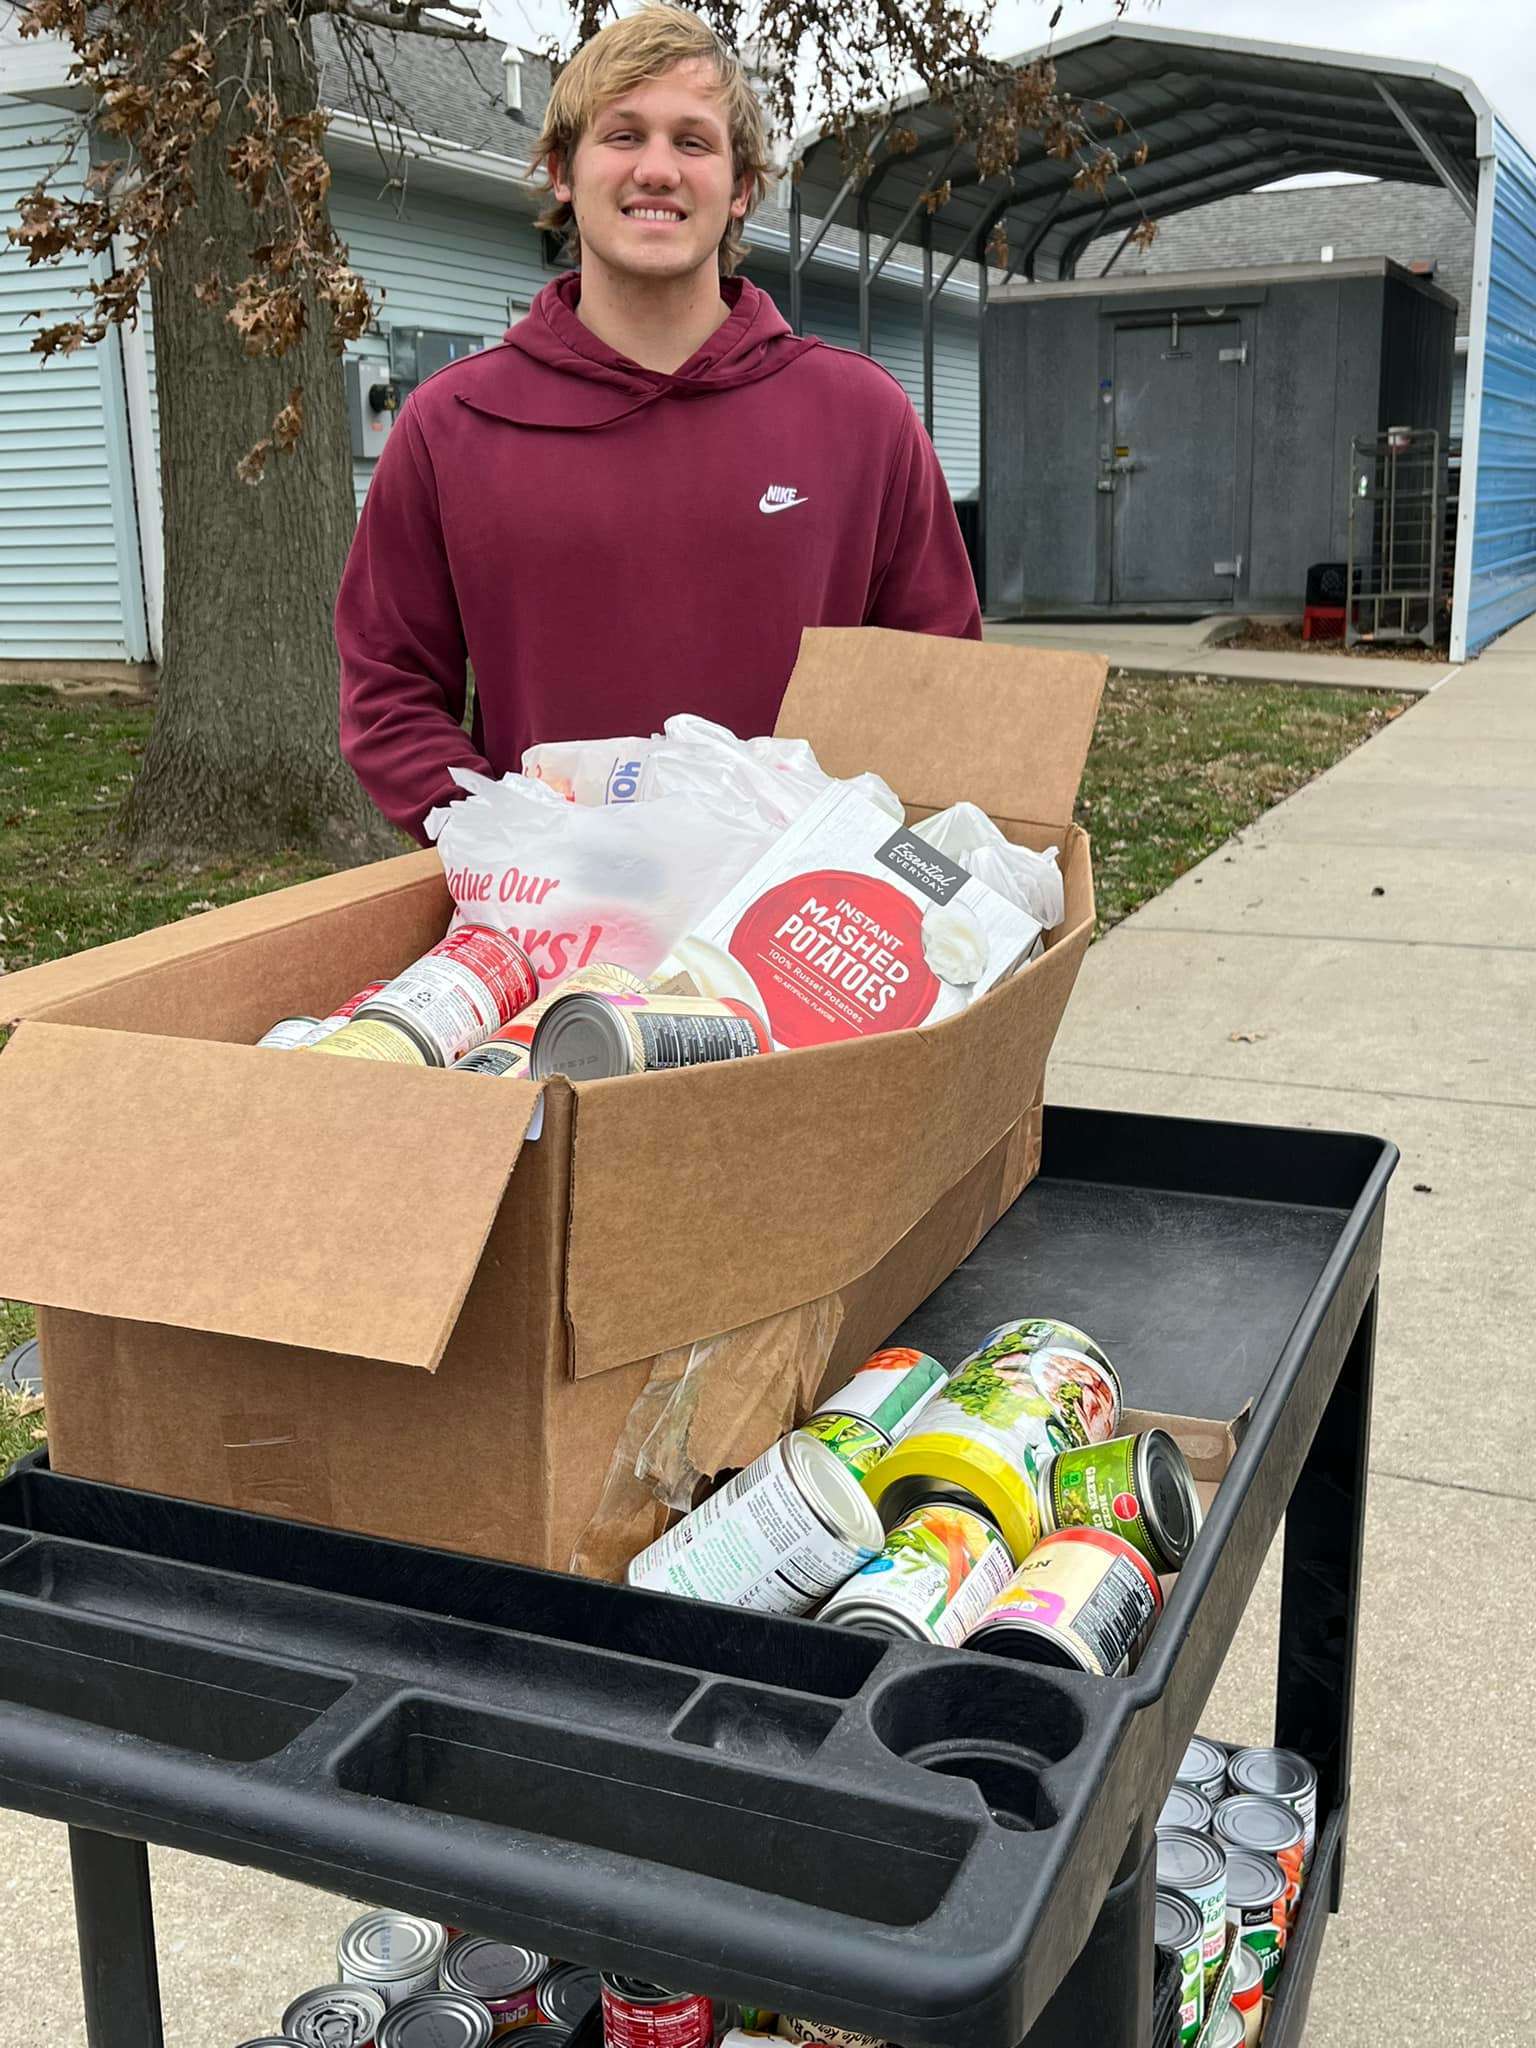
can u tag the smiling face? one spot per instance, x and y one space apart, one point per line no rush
651 180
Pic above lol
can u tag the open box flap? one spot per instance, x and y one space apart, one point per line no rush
946 721
232 1189
851 1146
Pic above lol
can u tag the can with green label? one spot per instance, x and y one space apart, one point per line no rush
1139 1488
861 1421
1256 1908
1177 1925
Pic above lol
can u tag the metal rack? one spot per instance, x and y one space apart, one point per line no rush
1396 526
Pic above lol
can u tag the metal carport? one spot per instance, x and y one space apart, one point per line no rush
1221 115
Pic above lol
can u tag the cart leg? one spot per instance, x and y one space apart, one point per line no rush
1105 1999
1320 1589
116 1925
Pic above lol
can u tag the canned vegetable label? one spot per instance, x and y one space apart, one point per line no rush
1246 1820
469 985
940 1569
1255 1905
1137 1487
888 1390
1180 1928
1196 1868
371 1038
779 1537
1082 1599
857 1443
1067 1367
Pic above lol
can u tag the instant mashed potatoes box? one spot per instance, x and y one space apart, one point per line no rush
848 927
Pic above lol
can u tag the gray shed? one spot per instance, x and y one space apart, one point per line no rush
1183 442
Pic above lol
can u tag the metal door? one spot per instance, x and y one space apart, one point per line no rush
1171 470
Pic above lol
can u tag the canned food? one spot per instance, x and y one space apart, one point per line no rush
1228 2031
345 1012
396 1954
436 2019
1256 1908
595 1037
1248 1992
1137 1487
779 1537
371 1038
507 1051
1186 1808
1204 1767
755 2019
335 2016
1083 1600
469 985
267 2041
940 1569
1196 1867
502 1976
1279 1774
861 1421
289 1032
567 1993
1247 1821
641 2015
1179 1927
986 1433
824 2031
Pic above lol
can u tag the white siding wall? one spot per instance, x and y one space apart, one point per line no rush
60 596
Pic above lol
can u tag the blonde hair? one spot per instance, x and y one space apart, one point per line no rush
634 51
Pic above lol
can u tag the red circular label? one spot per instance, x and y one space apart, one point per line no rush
1126 1507
835 956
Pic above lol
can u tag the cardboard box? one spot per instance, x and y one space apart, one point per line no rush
367 1296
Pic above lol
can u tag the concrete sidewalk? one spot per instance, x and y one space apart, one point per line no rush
1373 941
1192 647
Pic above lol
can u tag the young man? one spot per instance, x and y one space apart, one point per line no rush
634 506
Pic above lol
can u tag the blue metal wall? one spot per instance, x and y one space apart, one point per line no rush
1499 442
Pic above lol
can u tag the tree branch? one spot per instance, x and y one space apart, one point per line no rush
405 19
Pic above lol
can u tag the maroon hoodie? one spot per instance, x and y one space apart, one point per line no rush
606 545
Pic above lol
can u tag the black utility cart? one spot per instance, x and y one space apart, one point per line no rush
939 1848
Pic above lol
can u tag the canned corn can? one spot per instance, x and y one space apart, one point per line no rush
879 1404
779 1537
397 1954
1196 1867
1185 1807
436 2019
1279 1774
1256 1908
1179 1927
501 1975
940 1569
335 2016
1204 1766
567 1993
1083 1600
290 1032
1137 1487
824 2031
371 1038
1246 1820
507 1051
597 1037
469 985
641 2015
1248 1993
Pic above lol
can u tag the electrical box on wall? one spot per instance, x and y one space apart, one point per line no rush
415 352
373 399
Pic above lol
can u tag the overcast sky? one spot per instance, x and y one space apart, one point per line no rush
1493 41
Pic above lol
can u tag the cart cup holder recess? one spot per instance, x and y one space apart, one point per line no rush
1000 1727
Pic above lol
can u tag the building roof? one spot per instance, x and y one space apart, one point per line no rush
455 91
1410 223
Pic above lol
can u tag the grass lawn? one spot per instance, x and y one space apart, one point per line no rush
1176 768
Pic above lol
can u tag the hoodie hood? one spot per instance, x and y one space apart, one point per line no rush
564 376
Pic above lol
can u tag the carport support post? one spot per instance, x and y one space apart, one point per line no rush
927 242
115 1923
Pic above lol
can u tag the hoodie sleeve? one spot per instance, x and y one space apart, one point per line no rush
401 642
922 581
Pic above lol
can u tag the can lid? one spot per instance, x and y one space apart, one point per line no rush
567 1995
334 2016
1169 1501
579 1036
1185 1858
1203 1761
1175 1923
1250 1821
1247 1975
490 1969
386 1945
274 2041
1185 1807
1252 1879
637 1989
870 1618
833 1491
1229 2032
1279 1773
436 2019
381 1011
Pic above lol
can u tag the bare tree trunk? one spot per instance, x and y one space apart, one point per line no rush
243 755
